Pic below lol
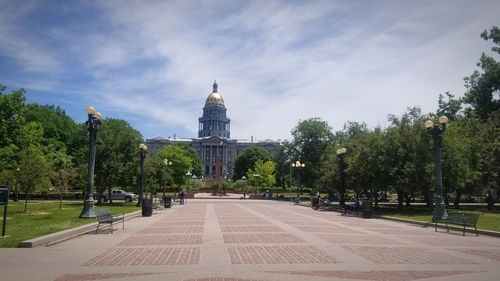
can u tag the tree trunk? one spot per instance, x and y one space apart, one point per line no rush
428 199
60 201
491 203
99 198
400 199
408 200
457 199
26 203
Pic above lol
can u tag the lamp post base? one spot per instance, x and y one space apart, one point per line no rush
439 212
88 210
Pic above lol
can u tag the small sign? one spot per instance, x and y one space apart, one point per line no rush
4 200
4 195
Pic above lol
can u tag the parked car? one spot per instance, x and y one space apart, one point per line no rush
119 194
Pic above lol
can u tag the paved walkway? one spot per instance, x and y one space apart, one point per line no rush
258 240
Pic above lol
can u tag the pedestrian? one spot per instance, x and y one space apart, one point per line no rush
354 206
182 195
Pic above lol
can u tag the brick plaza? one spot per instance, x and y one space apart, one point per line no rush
258 240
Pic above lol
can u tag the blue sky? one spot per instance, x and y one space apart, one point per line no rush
153 63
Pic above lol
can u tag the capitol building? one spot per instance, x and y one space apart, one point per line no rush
216 149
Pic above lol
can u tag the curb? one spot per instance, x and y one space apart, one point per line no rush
67 234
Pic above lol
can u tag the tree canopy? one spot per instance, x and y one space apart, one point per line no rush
247 159
311 138
483 87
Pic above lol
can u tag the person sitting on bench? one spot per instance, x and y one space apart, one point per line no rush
354 206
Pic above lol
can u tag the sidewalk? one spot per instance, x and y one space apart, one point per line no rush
258 240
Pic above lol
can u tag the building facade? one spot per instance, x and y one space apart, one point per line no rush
214 146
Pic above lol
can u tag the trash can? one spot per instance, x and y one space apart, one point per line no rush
367 209
147 207
167 201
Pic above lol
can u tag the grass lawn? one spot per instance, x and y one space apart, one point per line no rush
46 217
489 220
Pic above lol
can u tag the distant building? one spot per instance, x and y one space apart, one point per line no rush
214 146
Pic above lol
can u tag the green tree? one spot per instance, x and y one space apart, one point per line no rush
61 181
117 156
311 138
156 173
455 167
365 164
282 160
409 157
196 166
262 175
57 125
247 159
449 106
329 172
181 162
486 166
11 122
34 172
483 86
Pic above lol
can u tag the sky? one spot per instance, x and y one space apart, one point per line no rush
153 63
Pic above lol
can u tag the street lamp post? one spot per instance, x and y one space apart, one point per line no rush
188 176
88 202
193 180
142 153
244 187
436 132
341 153
257 176
299 166
167 164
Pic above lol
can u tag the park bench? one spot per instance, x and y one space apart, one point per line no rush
158 208
103 215
364 211
463 219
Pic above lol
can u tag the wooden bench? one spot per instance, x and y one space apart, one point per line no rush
103 215
462 219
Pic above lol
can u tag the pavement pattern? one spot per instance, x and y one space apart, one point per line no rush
229 240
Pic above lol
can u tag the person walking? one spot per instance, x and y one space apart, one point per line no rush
182 195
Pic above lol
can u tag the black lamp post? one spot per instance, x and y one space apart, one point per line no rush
297 165
142 153
193 181
244 179
436 132
167 164
188 176
341 153
257 177
88 201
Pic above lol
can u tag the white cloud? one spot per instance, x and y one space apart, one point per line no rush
277 62
14 44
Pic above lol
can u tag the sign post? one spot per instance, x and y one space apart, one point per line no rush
4 200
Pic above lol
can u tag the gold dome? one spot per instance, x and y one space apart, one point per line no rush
215 98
